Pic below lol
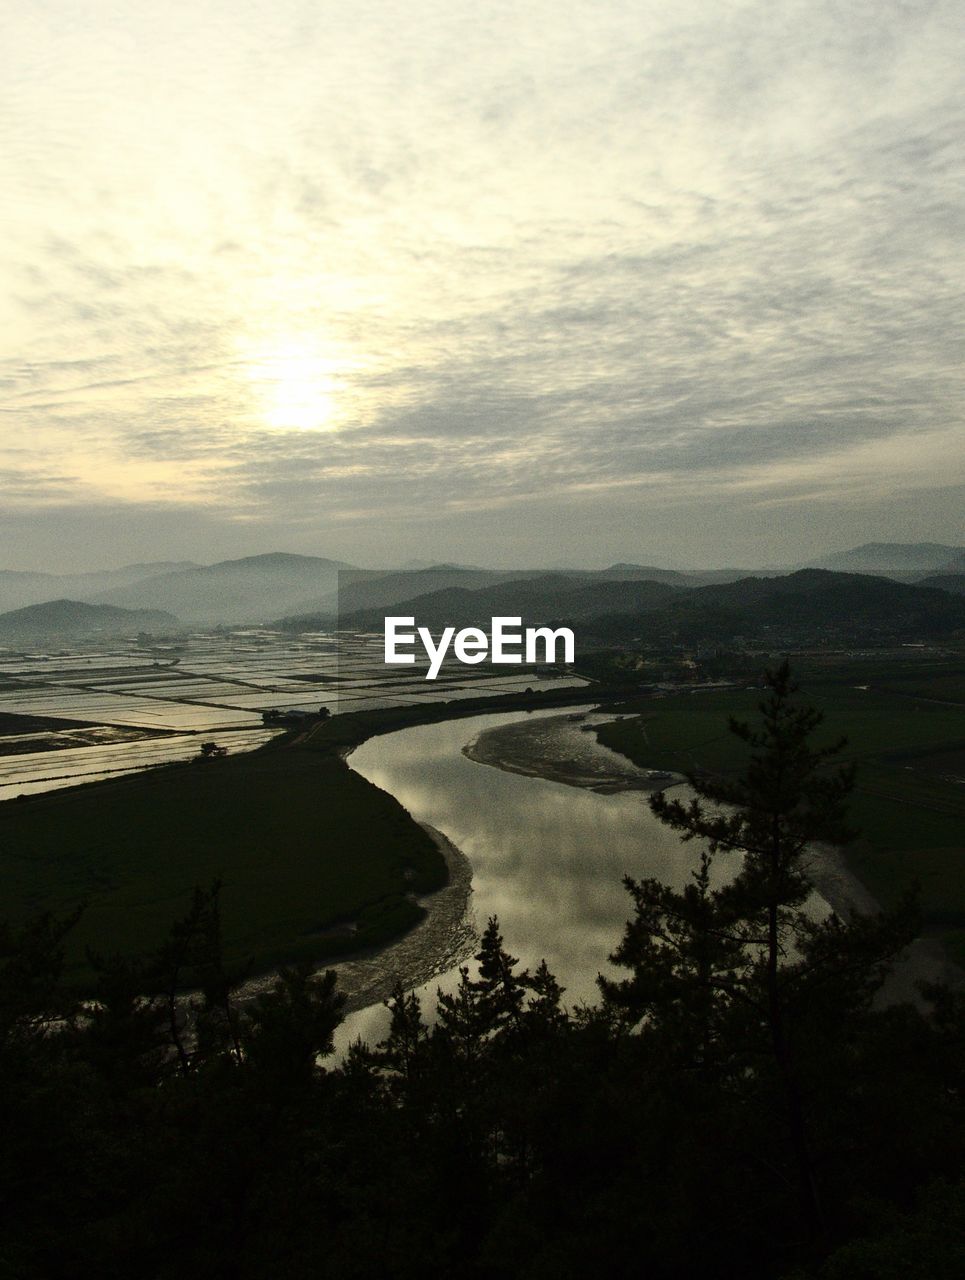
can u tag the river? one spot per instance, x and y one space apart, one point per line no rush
547 858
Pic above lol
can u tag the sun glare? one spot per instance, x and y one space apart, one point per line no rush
297 386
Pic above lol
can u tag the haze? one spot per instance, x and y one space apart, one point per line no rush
502 284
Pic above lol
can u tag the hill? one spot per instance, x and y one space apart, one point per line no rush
18 589
76 620
253 589
371 589
364 595
711 577
883 557
809 606
549 597
953 582
640 573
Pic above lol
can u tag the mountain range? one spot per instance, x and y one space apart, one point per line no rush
364 591
18 589
805 607
253 589
537 599
307 591
68 620
895 559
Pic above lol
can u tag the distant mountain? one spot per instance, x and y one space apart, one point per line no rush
552 596
901 557
808 606
844 594
62 620
366 595
373 589
434 564
18 589
640 573
595 598
811 605
952 582
711 577
955 565
253 589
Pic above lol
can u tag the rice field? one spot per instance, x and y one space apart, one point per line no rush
84 714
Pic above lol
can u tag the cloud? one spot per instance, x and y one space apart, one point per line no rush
523 255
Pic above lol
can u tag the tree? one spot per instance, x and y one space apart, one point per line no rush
714 968
31 967
293 1024
191 955
500 991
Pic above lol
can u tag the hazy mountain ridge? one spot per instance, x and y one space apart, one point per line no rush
902 557
808 604
804 606
376 589
953 582
19 589
367 590
76 619
636 573
252 589
308 591
539 599
849 593
715 577
805 602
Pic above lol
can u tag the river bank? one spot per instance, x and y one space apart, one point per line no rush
565 749
445 938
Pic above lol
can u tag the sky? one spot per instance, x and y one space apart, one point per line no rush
539 284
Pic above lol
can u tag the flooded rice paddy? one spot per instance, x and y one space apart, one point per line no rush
80 714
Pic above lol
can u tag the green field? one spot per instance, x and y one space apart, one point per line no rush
300 842
908 804
302 845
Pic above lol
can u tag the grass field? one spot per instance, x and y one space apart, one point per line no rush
300 842
303 844
908 804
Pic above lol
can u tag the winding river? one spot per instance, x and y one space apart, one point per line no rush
547 858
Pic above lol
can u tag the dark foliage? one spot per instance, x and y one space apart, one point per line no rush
739 1105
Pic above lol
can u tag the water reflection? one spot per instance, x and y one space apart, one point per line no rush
547 858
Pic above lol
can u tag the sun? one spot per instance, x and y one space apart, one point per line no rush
296 386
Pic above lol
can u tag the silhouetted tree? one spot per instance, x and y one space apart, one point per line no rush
499 990
192 956
712 968
31 968
289 1027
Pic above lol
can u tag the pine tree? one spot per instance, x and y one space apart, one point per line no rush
545 1015
499 989
293 1024
400 1051
713 969
192 956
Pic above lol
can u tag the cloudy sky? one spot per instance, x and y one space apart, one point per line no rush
508 283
